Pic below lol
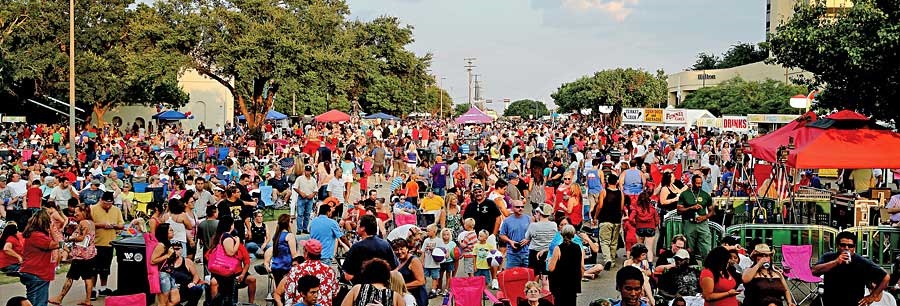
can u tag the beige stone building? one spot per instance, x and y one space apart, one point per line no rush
684 83
210 103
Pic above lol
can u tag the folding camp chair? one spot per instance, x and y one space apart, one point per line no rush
265 195
512 283
469 291
139 187
140 202
798 272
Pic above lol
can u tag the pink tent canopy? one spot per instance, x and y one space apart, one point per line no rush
474 116
333 116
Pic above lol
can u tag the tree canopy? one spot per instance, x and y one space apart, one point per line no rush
525 108
616 87
739 97
852 54
739 54
115 63
460 109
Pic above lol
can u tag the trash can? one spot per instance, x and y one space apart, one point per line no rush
132 271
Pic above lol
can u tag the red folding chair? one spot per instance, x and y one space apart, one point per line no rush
512 283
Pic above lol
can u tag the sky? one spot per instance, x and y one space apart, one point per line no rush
526 49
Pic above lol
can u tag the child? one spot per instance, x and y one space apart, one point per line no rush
467 240
638 260
448 269
482 249
432 267
364 176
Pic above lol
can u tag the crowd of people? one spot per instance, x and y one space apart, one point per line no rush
557 197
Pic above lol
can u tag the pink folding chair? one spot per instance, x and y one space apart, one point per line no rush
797 269
127 300
403 219
469 291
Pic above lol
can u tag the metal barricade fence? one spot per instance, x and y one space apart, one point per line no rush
877 243
673 226
775 235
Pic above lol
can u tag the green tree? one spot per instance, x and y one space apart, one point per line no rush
460 109
852 54
525 108
706 61
742 54
739 97
115 64
616 87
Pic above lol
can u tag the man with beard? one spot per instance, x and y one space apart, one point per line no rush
694 208
681 280
487 217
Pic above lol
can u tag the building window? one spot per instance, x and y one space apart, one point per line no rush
140 122
117 121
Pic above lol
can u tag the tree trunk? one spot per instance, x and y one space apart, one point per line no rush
100 110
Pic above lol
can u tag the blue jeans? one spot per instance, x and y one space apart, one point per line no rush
37 289
486 273
516 260
439 191
252 248
304 210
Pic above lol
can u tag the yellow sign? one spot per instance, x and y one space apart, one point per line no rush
653 115
770 118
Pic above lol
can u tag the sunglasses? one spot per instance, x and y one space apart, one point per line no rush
519 206
846 245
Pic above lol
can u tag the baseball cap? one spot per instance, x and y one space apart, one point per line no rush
512 176
682 254
312 246
307 168
730 240
3 178
477 188
546 210
108 196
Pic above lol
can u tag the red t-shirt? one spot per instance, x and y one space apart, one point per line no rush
33 197
723 285
37 256
17 246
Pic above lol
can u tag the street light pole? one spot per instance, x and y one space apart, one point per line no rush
72 79
441 94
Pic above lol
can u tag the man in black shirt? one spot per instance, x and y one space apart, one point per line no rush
368 247
556 173
486 213
608 213
371 201
847 274
248 204
232 199
281 187
324 153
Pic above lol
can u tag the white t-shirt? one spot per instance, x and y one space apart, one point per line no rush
18 188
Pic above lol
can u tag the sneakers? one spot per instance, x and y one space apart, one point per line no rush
607 266
106 292
495 285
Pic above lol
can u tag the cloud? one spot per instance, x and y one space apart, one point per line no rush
618 9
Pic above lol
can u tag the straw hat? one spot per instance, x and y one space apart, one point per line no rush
762 248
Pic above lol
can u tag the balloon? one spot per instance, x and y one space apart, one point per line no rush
439 254
495 258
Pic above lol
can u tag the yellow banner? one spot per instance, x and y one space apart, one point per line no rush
653 115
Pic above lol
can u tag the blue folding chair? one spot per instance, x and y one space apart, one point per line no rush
265 195
223 153
139 187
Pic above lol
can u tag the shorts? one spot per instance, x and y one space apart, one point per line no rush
433 273
646 232
516 260
378 168
539 265
486 273
448 267
81 269
468 265
103 260
167 282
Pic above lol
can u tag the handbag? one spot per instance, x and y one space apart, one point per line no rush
221 264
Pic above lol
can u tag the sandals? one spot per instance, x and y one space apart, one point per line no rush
54 303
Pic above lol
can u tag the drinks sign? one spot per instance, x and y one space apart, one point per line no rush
734 123
654 115
632 114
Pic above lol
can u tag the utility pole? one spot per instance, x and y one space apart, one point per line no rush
71 149
469 67
441 94
477 87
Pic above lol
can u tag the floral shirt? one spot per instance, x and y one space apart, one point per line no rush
327 289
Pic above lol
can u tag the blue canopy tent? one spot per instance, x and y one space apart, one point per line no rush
381 116
170 115
271 115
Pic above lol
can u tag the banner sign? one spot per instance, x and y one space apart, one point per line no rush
675 116
735 123
632 114
708 122
771 118
654 115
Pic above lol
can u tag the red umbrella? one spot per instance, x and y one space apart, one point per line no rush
333 116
